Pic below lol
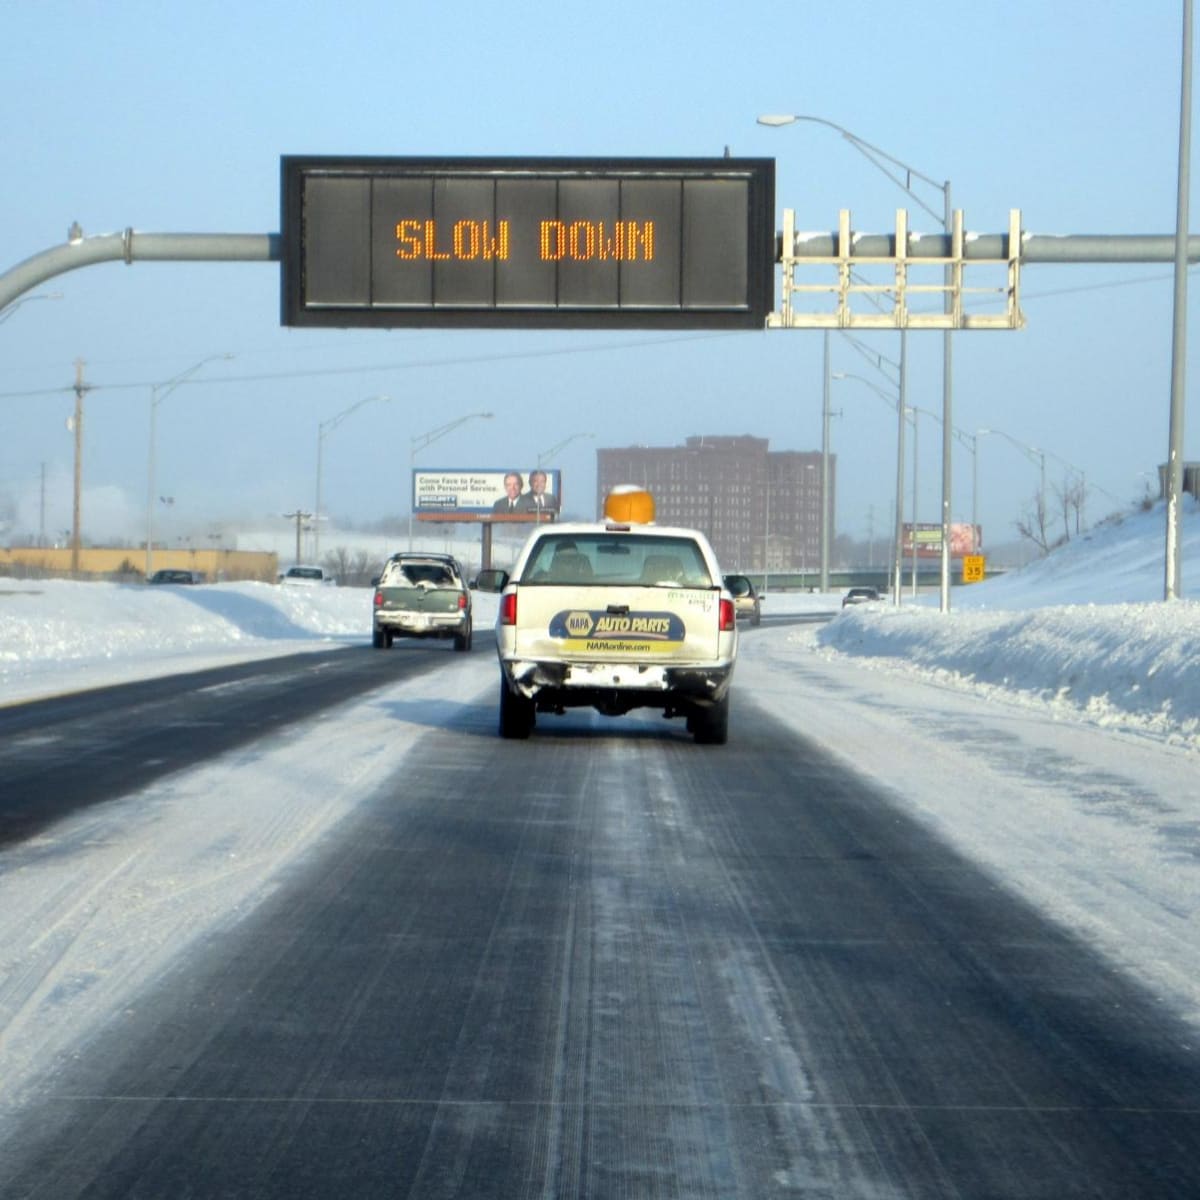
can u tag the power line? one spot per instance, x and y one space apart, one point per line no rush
419 364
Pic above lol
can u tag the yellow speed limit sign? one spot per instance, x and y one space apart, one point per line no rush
973 568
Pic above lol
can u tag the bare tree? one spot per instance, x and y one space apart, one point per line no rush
1076 499
350 568
1033 525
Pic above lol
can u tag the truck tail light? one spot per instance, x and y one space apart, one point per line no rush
728 619
462 600
378 599
508 609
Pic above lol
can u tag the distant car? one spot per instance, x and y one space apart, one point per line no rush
860 595
747 603
421 595
168 575
302 575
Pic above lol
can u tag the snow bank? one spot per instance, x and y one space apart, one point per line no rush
1129 664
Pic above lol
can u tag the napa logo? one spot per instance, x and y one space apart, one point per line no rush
617 628
577 624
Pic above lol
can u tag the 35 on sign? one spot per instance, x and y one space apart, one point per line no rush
470 240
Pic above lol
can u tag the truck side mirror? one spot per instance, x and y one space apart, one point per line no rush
491 580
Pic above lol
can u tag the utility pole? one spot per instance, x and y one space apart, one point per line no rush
299 516
77 426
1173 556
825 532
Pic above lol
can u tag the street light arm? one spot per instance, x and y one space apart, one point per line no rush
891 399
880 362
333 422
427 439
160 391
1031 452
925 412
876 156
561 445
9 309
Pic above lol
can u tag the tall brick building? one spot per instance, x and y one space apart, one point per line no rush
734 489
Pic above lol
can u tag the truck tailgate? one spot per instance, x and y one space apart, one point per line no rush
618 624
418 599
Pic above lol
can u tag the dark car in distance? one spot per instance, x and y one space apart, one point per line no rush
169 575
860 595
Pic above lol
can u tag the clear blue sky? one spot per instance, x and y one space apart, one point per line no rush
172 118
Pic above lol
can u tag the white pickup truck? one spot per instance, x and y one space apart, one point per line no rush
615 616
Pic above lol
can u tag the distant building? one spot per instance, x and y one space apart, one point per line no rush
736 491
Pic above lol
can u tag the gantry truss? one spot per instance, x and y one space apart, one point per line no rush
872 281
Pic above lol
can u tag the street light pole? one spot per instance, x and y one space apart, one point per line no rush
323 430
898 553
1173 555
420 441
947 403
903 175
77 429
898 403
158 393
825 469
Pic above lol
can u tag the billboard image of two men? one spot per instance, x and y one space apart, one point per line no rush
535 500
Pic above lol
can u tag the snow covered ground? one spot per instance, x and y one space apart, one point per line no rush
1048 728
1081 631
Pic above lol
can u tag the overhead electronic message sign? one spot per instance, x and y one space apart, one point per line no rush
541 242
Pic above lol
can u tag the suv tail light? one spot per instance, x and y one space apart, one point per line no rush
728 620
508 609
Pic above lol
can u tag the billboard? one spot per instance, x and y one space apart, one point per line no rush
528 242
964 539
486 494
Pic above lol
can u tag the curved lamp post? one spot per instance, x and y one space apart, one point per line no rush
897 402
158 393
421 440
323 430
9 309
548 454
905 177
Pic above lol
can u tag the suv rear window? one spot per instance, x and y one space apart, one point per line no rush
435 574
618 560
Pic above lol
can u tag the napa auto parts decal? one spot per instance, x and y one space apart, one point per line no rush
582 629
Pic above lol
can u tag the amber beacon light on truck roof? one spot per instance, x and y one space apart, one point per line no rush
628 504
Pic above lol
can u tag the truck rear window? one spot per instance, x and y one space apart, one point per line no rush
618 560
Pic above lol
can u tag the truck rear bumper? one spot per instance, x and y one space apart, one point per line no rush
616 685
406 624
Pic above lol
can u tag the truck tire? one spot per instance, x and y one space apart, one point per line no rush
377 639
710 726
462 641
516 714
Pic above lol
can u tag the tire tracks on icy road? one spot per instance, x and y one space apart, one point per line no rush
610 962
67 753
